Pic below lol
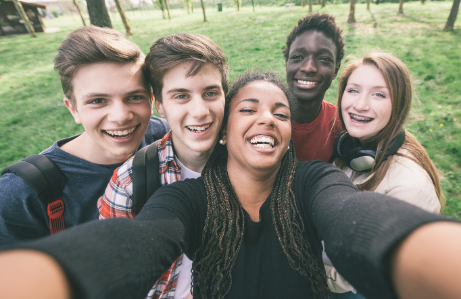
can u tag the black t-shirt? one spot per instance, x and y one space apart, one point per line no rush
121 258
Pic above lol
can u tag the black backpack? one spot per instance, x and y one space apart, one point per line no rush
47 181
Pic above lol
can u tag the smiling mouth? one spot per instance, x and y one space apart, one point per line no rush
198 129
121 134
360 118
263 142
307 83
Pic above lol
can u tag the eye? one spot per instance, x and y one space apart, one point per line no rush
210 94
380 95
352 90
247 110
282 116
96 101
181 97
296 57
325 58
136 97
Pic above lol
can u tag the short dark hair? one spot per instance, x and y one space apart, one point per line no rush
91 44
324 23
170 51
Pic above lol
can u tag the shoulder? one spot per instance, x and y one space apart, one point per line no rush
408 181
329 108
319 174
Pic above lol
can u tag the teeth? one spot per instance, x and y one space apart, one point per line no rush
306 82
198 129
121 133
360 118
263 142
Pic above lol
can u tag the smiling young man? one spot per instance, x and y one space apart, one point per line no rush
103 81
188 74
315 48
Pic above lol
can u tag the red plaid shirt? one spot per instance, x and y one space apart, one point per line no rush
116 202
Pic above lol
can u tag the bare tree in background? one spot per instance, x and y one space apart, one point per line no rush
351 18
161 6
168 9
25 18
123 17
203 9
304 3
452 17
97 11
368 4
79 12
310 6
253 3
400 12
323 3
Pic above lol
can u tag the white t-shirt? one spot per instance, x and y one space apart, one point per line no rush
185 275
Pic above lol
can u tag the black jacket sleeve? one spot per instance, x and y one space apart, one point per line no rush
360 229
122 258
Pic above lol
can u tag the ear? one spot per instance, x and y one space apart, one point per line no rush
159 108
337 70
72 110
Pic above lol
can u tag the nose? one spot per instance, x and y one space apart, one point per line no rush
266 119
309 66
199 108
361 103
120 113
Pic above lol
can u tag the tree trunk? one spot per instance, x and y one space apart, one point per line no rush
167 9
162 7
304 3
452 17
400 12
97 11
422 2
323 3
25 18
368 4
310 6
124 19
377 2
260 3
253 3
351 18
80 12
203 9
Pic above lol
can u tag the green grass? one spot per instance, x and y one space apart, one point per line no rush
32 115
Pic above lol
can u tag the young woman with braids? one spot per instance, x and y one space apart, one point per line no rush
374 101
253 226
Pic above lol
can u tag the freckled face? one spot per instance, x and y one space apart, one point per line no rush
366 104
311 66
258 131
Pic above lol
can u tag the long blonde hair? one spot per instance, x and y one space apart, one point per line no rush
398 81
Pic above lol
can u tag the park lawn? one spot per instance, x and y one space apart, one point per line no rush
33 116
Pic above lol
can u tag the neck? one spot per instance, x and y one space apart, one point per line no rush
305 112
252 188
193 160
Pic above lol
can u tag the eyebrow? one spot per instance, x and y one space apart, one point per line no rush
356 84
187 90
302 49
277 104
94 95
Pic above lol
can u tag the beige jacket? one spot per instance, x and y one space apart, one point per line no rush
406 181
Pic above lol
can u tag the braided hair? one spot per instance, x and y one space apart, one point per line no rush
224 225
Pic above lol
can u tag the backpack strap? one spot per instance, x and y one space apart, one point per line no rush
46 181
146 178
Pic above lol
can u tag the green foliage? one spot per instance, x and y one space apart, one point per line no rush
32 115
